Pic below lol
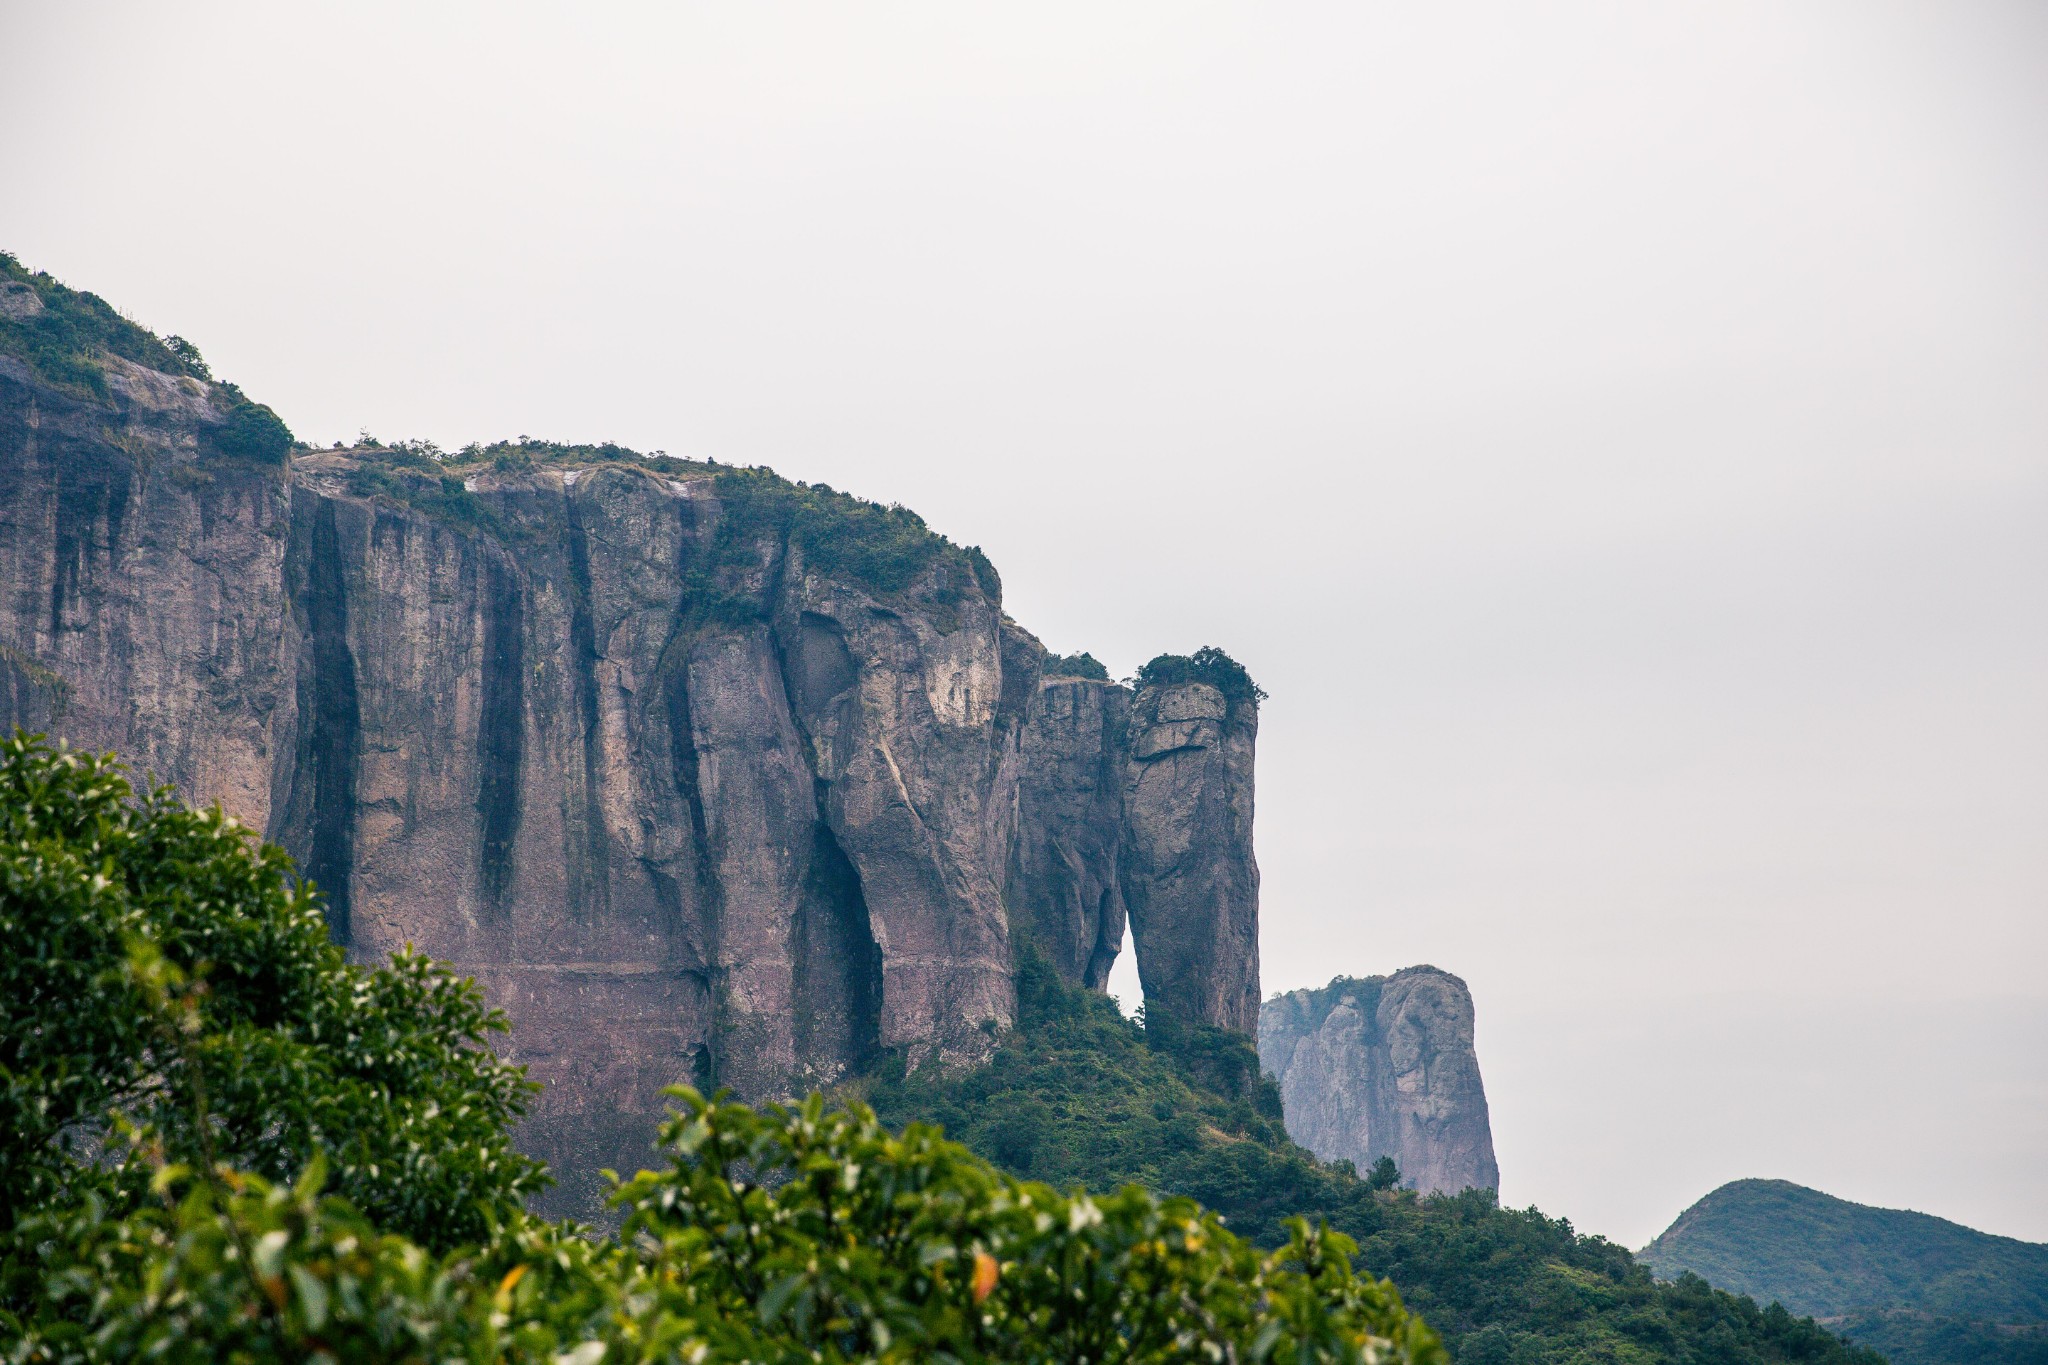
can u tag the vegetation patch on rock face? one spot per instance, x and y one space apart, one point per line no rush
1206 665
60 333
425 484
63 335
249 431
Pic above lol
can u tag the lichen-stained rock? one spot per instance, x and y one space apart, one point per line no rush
1189 878
1064 880
1384 1067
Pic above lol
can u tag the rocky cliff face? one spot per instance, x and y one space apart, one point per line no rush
1384 1066
707 777
1137 806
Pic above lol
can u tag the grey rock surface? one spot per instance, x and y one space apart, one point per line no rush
1190 880
690 808
1065 872
1384 1067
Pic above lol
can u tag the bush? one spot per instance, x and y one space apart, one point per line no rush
1081 665
1206 665
251 431
168 993
784 1235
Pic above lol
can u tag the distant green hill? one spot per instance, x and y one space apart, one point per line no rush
1921 1289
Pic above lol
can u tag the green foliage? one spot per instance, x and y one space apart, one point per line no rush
884 549
1079 1096
62 341
786 1235
813 1234
195 363
1082 665
250 431
1905 1337
418 481
168 993
1206 665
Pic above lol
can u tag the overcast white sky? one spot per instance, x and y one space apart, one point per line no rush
1616 435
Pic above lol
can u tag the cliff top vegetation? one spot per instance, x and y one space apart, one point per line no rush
1206 665
1082 665
882 547
64 334
60 332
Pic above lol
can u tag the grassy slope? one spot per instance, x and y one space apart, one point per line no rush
1080 1096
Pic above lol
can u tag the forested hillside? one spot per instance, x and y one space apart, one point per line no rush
1079 1095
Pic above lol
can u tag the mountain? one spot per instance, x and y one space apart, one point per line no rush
705 775
1384 1067
1922 1289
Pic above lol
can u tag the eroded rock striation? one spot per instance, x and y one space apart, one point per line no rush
1384 1066
706 776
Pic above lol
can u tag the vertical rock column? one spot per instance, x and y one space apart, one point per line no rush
1189 878
1064 886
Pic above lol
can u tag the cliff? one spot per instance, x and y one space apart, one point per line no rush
707 776
1384 1067
1137 807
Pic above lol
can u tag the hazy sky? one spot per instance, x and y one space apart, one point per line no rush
1616 435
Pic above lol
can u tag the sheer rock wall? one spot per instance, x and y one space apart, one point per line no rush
753 848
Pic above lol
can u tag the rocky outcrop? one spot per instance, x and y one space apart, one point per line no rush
1136 806
1191 883
705 776
1384 1067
